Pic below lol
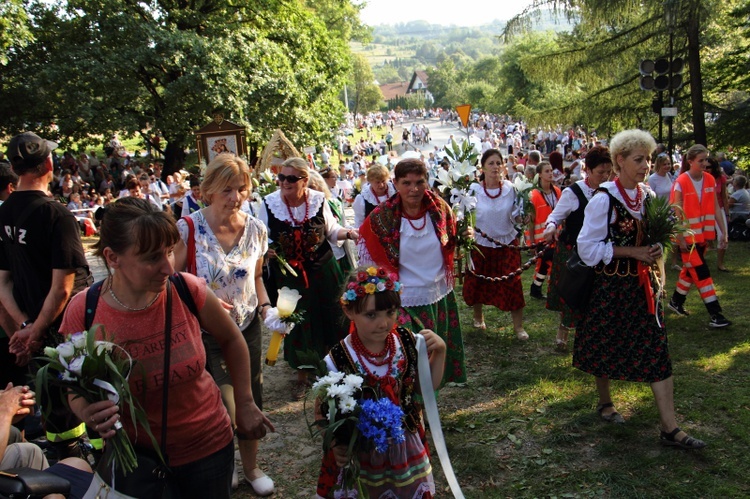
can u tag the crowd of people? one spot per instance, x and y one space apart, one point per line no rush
211 276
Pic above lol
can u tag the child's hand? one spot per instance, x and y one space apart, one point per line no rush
433 342
339 453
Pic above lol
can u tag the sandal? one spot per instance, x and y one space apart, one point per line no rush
522 335
687 441
614 417
480 324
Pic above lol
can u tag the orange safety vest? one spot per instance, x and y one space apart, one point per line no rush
541 211
700 213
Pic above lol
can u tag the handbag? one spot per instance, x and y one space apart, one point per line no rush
149 479
31 483
575 282
576 278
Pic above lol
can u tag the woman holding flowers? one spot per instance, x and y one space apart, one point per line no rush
137 242
622 334
497 253
224 246
544 198
569 211
413 235
304 229
374 371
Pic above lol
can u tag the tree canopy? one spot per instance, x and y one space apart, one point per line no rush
98 66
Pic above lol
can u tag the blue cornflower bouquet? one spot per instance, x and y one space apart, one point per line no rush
349 419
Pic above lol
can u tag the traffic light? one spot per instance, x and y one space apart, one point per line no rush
660 75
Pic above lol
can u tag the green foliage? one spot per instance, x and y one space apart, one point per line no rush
100 66
15 32
365 95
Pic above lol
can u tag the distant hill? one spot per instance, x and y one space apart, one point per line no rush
397 50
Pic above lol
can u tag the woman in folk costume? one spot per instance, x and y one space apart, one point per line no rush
413 235
695 192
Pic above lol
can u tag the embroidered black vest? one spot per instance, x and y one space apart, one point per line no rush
368 207
412 412
306 244
574 222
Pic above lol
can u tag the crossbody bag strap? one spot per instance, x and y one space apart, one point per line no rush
92 300
191 265
165 379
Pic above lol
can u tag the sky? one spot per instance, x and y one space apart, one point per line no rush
445 12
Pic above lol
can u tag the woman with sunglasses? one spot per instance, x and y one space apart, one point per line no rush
303 229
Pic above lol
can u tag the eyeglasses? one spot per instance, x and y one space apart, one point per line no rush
292 179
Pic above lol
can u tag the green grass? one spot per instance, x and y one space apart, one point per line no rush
525 423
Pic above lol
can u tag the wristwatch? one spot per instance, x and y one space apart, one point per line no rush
26 324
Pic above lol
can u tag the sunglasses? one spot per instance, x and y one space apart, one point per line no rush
292 179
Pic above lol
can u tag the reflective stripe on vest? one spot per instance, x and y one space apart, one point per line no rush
67 435
700 214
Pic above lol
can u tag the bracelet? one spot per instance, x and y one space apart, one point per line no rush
26 324
263 305
349 234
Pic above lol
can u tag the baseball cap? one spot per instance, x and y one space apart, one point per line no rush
28 150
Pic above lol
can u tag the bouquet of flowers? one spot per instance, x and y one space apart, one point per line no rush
457 180
265 183
360 424
661 226
96 371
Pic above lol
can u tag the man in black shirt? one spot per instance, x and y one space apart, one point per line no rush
41 261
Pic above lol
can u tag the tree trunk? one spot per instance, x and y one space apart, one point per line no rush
696 82
174 157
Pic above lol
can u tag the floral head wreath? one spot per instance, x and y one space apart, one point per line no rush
370 281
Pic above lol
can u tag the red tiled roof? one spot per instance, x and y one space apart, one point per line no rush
393 90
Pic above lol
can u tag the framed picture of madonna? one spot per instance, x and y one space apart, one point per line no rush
220 136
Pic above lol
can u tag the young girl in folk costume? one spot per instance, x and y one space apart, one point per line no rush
386 357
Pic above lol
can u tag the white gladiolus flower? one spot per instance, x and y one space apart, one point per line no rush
78 340
66 350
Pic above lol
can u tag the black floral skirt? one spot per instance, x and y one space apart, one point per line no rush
617 338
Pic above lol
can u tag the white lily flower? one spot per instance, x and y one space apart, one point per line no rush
463 200
444 179
461 170
521 184
267 176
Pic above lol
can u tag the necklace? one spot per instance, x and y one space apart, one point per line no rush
377 198
363 354
419 216
291 215
632 204
484 186
586 181
114 297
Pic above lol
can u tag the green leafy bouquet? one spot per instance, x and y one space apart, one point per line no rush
96 371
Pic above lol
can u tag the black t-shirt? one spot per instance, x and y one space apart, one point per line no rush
48 239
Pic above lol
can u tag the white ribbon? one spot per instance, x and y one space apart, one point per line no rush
107 387
433 417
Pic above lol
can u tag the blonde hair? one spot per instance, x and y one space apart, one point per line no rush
298 164
627 141
378 173
224 168
317 183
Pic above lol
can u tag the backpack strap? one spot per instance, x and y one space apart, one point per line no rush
182 290
92 300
